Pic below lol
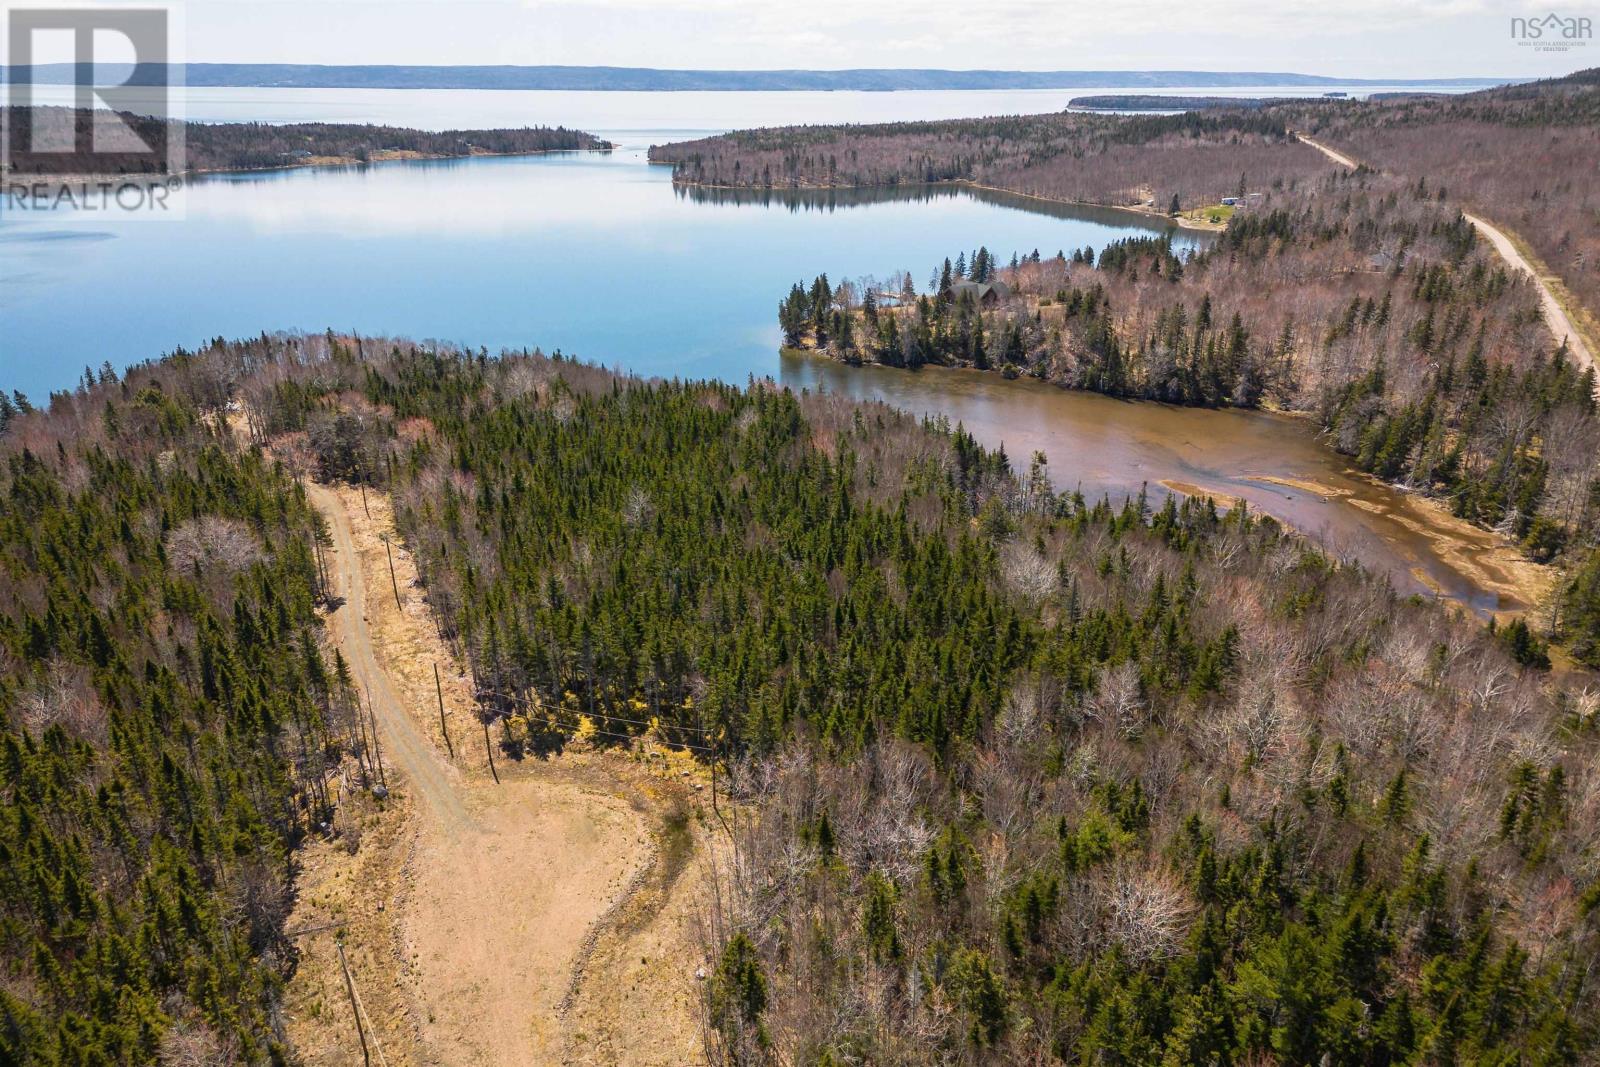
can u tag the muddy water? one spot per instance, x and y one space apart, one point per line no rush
1273 462
464 250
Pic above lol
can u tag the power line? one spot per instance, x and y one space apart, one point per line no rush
562 727
614 718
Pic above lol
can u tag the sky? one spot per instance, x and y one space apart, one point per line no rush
1355 38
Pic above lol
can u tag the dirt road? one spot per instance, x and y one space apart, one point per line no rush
401 741
479 916
1555 316
1333 154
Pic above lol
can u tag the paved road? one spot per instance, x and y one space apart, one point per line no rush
1555 316
402 743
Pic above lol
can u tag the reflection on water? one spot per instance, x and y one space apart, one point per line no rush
1113 447
817 199
834 199
591 253
595 254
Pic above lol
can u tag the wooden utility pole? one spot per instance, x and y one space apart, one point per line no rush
714 808
490 750
366 748
376 751
393 584
444 728
324 582
355 1005
711 752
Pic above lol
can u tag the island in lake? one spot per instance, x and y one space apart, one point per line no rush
374 700
212 147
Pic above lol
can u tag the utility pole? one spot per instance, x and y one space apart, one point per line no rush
376 751
488 748
711 752
355 1005
393 584
444 727
366 751
324 583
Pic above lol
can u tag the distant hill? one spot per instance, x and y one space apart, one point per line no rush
1151 102
300 75
212 147
1169 103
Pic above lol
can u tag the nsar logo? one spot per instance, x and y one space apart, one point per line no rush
1553 33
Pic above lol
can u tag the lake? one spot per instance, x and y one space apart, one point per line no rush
593 253
1274 463
634 118
599 256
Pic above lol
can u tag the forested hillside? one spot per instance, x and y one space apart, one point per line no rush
166 720
1014 776
1023 777
246 146
1364 298
1361 299
1096 159
1523 155
225 146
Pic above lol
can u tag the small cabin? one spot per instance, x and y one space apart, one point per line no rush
984 294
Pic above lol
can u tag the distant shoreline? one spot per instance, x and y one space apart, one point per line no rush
251 146
310 163
644 79
1146 214
1157 102
390 157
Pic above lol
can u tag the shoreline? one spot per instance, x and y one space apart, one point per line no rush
1491 563
309 163
1177 221
389 157
959 183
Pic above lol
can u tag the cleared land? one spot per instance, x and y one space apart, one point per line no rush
481 916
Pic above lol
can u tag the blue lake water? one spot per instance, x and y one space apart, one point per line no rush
598 255
631 117
593 253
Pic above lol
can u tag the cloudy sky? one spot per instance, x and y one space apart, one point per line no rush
1364 38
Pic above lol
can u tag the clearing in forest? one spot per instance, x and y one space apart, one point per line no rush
551 917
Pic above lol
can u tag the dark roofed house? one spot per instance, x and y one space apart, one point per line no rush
984 294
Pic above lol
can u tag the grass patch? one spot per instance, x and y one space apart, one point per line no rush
1215 214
